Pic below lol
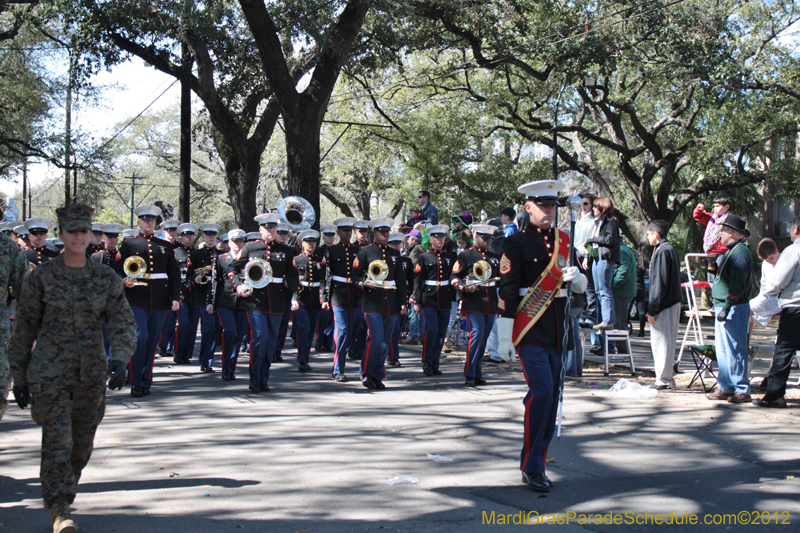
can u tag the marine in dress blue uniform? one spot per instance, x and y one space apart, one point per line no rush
159 295
341 295
166 347
433 295
382 301
526 257
478 302
359 345
282 237
187 315
108 257
266 305
201 295
324 342
306 303
37 253
396 242
231 316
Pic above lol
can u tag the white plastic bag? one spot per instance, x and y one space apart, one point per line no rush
630 390
402 479
437 457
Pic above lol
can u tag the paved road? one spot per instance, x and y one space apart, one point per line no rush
312 455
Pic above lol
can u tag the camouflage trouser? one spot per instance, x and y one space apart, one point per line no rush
3 400
69 417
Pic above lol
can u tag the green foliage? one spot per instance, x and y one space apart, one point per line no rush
107 216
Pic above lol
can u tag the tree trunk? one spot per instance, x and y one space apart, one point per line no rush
302 155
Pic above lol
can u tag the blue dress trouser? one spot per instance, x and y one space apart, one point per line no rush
305 323
208 336
359 344
433 339
263 334
148 333
575 356
345 320
542 374
394 347
325 329
188 318
234 326
167 343
283 329
603 272
480 326
380 328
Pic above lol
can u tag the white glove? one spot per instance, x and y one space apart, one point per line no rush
505 347
578 285
570 273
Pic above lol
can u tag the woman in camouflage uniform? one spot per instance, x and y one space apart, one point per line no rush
57 358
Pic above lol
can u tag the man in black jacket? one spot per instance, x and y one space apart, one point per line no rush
664 308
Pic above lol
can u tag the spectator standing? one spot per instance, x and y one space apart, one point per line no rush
623 286
605 254
731 296
508 219
428 213
784 284
664 306
762 307
641 291
416 327
584 227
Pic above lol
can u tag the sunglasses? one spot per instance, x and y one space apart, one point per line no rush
147 218
310 240
283 232
269 225
97 232
38 232
209 233
329 234
384 230
187 234
112 235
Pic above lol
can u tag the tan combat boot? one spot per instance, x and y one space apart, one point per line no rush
62 519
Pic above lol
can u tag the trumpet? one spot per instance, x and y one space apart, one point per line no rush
135 267
257 274
480 275
203 272
377 272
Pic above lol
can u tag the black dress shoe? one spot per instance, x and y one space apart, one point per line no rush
145 391
254 386
437 372
178 360
303 367
264 388
469 382
393 363
206 369
341 378
169 353
536 481
277 358
136 391
379 384
354 355
548 480
226 376
427 370
780 403
232 375
369 383
480 381
327 349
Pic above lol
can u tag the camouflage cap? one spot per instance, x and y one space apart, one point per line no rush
75 216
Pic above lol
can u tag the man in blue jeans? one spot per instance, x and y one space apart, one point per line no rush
731 294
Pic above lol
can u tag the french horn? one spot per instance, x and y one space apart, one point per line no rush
377 272
257 274
297 212
135 267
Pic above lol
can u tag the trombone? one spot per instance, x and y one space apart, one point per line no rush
377 272
480 276
135 267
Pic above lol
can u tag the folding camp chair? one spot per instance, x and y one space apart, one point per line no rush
693 327
703 356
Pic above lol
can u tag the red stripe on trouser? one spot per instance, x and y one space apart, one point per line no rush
130 372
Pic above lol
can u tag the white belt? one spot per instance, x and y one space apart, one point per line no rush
277 280
562 293
489 284
436 283
157 276
309 283
390 283
340 279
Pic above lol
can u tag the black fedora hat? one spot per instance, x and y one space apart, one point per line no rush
737 223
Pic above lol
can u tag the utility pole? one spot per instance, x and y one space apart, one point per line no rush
24 187
184 192
68 126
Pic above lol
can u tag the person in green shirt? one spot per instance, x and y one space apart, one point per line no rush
731 295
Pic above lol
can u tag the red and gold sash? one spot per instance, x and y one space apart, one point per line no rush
543 292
